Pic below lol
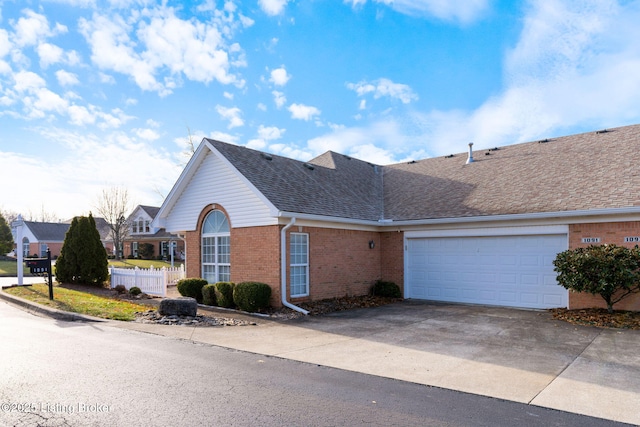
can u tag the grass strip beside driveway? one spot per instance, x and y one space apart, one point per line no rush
78 302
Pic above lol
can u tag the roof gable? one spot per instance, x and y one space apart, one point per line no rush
330 185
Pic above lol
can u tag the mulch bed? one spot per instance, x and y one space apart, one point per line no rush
599 317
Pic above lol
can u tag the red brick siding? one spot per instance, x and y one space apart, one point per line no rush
392 257
255 257
340 262
611 233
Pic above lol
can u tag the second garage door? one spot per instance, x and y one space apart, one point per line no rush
515 271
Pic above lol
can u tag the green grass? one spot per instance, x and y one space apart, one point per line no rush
141 263
79 302
10 269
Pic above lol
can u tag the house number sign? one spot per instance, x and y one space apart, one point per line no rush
634 239
590 240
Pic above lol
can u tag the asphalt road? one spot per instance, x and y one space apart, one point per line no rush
55 373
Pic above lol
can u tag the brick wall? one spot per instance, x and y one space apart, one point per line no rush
608 233
340 262
255 257
392 257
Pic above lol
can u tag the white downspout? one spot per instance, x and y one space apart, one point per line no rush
283 268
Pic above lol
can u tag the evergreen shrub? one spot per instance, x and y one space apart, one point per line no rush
251 296
192 287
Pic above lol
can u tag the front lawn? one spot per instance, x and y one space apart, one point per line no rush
79 302
10 269
141 263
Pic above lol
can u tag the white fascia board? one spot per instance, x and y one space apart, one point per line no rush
324 218
160 220
272 209
548 219
566 217
490 231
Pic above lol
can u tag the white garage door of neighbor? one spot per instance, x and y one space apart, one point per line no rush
514 271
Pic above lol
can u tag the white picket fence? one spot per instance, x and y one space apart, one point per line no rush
150 281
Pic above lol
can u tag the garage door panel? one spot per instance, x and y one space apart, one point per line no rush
497 270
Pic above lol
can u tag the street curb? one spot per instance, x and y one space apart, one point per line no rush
41 310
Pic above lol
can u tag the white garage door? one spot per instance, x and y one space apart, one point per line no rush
515 271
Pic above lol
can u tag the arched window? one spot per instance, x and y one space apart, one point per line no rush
216 248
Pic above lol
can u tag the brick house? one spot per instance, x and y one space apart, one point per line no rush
142 232
479 227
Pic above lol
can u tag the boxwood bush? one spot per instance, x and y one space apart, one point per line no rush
224 294
192 287
251 296
209 294
386 289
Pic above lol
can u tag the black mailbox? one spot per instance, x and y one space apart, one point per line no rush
38 265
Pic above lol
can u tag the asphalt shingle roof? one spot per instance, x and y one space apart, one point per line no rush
594 170
48 231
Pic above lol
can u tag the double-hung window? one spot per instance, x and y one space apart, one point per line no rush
216 248
299 264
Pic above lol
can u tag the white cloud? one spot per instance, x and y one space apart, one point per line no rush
261 107
228 95
146 134
67 79
232 115
270 132
279 99
272 7
5 43
49 54
33 28
384 87
160 47
303 112
279 76
463 11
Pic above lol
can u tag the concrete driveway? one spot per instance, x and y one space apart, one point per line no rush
519 355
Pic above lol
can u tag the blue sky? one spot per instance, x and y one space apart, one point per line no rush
96 94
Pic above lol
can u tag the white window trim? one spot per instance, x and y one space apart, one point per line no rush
306 265
216 245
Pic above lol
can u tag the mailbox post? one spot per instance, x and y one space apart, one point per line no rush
42 266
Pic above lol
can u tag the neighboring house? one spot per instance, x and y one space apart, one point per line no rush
443 228
37 237
141 232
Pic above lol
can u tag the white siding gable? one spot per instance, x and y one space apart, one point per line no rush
214 181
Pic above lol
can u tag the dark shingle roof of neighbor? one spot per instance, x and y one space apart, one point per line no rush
48 231
152 211
593 170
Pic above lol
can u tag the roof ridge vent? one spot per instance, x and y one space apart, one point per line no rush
449 156
470 158
266 156
543 141
494 149
412 162
603 131
309 166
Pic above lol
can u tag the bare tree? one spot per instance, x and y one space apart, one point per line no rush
114 207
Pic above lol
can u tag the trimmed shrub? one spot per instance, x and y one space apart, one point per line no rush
209 294
611 271
121 289
251 296
224 294
192 287
135 291
386 289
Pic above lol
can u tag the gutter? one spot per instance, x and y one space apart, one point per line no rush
283 268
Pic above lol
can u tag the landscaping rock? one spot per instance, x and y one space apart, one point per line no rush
183 306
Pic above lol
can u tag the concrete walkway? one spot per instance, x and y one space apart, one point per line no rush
518 355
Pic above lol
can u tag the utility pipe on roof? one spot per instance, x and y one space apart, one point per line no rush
283 268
